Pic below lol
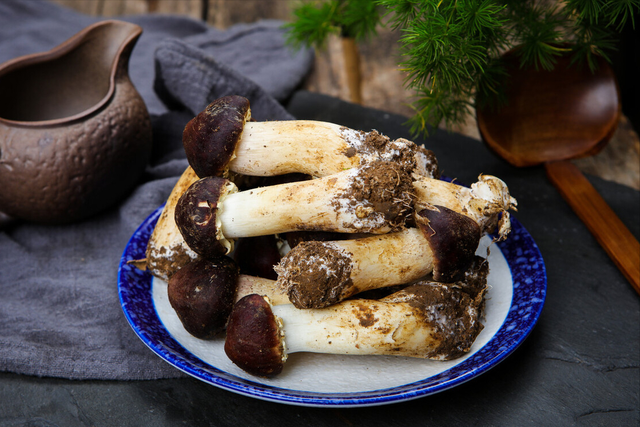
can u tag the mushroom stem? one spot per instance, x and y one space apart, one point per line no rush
487 201
248 285
320 274
166 250
222 138
277 148
321 148
425 320
375 198
331 203
347 328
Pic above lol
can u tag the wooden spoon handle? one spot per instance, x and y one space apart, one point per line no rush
604 224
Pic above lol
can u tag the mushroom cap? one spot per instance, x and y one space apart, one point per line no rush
453 239
211 137
257 255
196 216
202 294
253 341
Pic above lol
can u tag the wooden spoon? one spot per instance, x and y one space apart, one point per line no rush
551 117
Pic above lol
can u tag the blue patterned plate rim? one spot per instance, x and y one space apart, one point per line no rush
529 292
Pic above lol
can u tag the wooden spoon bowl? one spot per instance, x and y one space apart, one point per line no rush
551 117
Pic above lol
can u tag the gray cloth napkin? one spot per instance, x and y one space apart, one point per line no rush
60 314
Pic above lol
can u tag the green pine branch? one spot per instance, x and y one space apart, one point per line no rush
451 48
315 21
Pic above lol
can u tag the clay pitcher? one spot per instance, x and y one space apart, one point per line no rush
75 135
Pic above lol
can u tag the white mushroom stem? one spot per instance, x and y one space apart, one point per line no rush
248 285
327 204
281 147
316 148
389 259
487 201
426 320
319 274
167 251
356 327
316 274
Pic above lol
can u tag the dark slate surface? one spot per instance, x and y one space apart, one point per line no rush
579 366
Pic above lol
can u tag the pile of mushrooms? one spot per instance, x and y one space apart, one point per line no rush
358 248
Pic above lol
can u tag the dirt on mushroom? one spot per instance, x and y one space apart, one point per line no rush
383 189
320 272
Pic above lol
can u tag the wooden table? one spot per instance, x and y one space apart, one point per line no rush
382 85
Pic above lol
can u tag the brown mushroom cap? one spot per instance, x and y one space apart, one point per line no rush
453 238
202 294
257 255
253 339
196 213
211 137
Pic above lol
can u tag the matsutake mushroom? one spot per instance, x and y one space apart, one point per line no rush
374 198
202 293
257 255
487 201
166 250
223 138
425 320
320 274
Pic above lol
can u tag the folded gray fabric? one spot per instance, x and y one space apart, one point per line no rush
257 52
59 309
187 77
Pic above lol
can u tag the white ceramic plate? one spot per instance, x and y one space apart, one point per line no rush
517 281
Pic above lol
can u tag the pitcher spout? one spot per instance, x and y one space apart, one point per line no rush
71 80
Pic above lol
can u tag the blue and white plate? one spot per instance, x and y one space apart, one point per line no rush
517 281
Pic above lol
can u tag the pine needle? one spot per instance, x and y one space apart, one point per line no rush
451 48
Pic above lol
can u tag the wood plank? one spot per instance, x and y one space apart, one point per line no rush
224 13
191 8
89 7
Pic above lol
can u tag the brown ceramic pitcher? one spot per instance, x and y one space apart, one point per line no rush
75 135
